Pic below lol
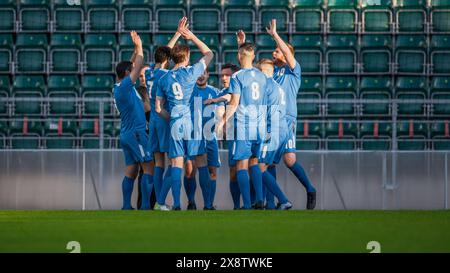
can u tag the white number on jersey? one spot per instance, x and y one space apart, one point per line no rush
282 96
150 86
178 93
255 90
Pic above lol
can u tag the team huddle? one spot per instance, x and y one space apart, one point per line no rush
175 114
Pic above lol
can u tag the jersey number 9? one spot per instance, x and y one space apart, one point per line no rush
177 92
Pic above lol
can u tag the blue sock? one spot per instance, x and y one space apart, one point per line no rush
212 192
175 176
204 184
158 179
244 186
273 171
192 184
273 187
187 189
167 183
127 190
235 194
146 190
257 182
270 199
252 193
298 171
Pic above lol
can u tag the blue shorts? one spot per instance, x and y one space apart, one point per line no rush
244 149
212 152
272 152
135 147
181 143
292 127
159 135
231 161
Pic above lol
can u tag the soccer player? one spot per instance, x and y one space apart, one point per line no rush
203 91
159 128
227 71
288 74
133 138
177 87
247 89
275 143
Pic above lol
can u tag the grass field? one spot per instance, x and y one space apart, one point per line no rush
225 231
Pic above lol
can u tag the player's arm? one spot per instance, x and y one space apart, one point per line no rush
133 57
159 102
240 35
224 98
139 59
272 30
188 35
176 36
220 117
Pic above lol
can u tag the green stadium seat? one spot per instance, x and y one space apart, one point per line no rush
4 94
211 40
239 14
342 16
440 54
25 133
28 87
412 135
137 15
410 54
205 15
102 15
67 18
309 134
8 16
66 88
411 16
440 135
265 45
376 16
308 51
311 88
340 88
308 15
6 53
341 135
126 47
65 53
90 133
34 15
440 90
99 53
376 135
376 88
168 13
229 47
274 9
116 133
440 16
3 134
341 54
411 88
376 56
31 53
97 86
60 134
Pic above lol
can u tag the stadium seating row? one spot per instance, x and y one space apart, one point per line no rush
212 16
311 134
333 54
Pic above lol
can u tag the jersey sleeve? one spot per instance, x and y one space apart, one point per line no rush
125 88
296 70
235 86
159 90
197 70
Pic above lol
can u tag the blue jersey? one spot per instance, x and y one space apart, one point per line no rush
130 106
250 84
177 87
290 81
209 92
276 103
152 77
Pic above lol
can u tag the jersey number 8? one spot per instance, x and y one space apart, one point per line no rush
255 90
177 92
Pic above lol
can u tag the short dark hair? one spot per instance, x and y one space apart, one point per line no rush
179 53
162 53
231 66
122 68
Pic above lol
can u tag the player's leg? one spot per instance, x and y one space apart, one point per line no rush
212 149
190 184
213 182
204 178
146 184
234 186
270 200
159 172
175 176
295 167
256 178
131 172
243 180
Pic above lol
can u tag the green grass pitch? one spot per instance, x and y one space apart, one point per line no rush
225 231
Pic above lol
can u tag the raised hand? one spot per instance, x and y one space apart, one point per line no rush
240 35
272 29
136 39
184 30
